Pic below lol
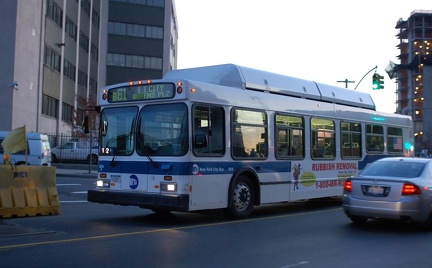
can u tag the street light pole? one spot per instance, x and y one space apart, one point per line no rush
346 81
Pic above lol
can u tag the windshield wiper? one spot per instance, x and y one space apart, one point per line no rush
151 160
113 163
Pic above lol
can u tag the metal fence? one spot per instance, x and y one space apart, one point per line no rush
73 149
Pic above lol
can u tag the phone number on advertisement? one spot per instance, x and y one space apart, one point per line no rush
327 184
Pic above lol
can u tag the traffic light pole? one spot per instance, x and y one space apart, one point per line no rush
374 68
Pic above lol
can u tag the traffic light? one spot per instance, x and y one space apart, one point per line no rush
377 81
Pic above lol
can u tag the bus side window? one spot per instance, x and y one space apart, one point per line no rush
323 138
289 136
208 130
375 138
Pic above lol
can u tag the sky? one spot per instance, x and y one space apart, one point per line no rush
321 40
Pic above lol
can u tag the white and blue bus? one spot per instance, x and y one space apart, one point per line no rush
230 137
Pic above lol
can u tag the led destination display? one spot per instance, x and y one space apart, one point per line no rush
141 92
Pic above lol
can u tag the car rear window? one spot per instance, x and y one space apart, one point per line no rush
394 169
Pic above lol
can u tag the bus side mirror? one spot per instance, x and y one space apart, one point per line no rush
200 141
104 128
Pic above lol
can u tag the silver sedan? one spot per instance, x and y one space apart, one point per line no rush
395 188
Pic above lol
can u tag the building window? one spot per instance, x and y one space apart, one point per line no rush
71 28
134 61
136 30
117 28
153 63
67 112
93 86
84 41
49 106
94 52
52 59
85 5
55 13
155 3
69 70
82 79
95 19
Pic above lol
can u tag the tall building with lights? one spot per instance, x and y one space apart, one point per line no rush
414 75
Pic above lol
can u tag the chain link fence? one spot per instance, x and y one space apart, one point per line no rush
73 149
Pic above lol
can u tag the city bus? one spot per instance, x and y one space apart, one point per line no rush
231 138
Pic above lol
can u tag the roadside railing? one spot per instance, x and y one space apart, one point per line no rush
73 149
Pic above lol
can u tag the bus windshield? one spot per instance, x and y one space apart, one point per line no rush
162 130
116 130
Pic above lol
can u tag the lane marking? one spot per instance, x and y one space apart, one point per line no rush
295 264
68 184
76 201
89 238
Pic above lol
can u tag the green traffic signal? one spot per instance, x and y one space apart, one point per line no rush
377 81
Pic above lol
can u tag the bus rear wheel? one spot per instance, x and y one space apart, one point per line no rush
242 198
161 211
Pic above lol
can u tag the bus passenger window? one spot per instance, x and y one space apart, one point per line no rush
323 138
374 138
395 140
289 136
351 140
249 136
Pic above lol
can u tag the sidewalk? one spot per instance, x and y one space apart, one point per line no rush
75 170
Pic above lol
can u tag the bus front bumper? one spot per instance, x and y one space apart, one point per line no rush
140 199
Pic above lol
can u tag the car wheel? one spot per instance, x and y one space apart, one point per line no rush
427 225
358 220
242 198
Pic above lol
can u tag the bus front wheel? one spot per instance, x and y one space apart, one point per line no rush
242 198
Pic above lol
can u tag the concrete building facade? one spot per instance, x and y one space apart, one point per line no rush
54 55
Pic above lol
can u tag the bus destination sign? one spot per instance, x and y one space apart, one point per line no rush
141 92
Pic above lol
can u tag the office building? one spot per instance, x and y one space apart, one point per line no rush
142 40
56 54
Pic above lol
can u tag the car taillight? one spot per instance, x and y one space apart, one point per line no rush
348 186
410 189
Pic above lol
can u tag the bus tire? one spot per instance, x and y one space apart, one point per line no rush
241 199
161 211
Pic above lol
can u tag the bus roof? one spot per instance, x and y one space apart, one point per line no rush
251 79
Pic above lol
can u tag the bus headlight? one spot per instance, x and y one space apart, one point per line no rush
103 183
168 187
